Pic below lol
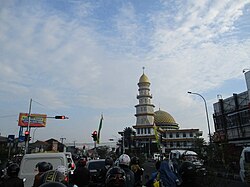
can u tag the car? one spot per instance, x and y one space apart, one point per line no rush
71 163
94 166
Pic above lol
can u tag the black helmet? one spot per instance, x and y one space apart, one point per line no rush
44 166
53 184
115 177
52 176
109 161
135 160
13 170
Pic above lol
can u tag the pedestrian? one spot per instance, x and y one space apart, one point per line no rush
124 163
81 175
13 180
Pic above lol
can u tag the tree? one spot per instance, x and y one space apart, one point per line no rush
127 135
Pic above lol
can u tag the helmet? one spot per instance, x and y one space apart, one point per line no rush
44 166
109 161
115 177
62 169
13 170
53 184
135 160
124 159
52 176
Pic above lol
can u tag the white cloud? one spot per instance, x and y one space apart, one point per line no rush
72 60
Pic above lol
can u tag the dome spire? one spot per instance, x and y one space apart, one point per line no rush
143 68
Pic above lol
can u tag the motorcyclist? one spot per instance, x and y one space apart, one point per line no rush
138 171
41 167
115 177
81 175
102 175
124 163
13 180
188 174
53 176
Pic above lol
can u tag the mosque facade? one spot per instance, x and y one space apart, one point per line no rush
170 135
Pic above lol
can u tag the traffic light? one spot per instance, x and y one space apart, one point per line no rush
26 133
94 136
60 117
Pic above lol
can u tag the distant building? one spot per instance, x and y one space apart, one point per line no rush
171 136
232 117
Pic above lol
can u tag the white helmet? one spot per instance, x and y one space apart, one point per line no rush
62 169
124 159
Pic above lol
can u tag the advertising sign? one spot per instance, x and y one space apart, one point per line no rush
36 120
11 138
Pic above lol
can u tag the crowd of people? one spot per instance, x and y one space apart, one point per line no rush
124 172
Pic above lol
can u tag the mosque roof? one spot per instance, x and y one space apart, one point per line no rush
163 118
143 78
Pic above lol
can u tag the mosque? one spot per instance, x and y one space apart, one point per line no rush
171 136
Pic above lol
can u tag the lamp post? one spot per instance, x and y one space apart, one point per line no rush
206 113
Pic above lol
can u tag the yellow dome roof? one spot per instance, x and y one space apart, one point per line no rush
143 78
163 118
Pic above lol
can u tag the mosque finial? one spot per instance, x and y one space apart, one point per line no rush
143 68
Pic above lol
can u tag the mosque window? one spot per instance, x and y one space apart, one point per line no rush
141 131
149 131
145 131
177 135
170 135
171 144
178 144
138 131
191 134
185 144
184 135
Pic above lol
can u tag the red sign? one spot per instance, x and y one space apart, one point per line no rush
36 120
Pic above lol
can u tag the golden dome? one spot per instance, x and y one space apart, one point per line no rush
164 119
143 78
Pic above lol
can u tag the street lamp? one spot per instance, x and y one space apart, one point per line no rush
206 113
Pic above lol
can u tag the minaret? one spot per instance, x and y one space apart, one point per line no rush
144 110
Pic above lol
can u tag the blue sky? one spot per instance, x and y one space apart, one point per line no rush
84 58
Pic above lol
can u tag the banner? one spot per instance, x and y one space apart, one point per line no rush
99 130
156 135
36 120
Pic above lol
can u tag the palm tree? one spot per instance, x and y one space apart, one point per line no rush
128 132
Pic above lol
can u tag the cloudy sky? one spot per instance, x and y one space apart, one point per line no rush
84 58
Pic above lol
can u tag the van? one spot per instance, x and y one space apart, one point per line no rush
245 165
29 161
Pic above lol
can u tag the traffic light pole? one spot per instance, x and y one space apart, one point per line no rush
28 129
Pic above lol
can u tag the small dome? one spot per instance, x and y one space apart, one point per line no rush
143 78
164 119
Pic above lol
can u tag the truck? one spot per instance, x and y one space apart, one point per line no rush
28 165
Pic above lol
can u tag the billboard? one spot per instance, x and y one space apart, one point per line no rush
36 120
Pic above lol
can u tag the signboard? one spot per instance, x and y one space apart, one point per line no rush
11 138
36 120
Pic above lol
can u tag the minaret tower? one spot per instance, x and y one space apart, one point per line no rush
144 110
